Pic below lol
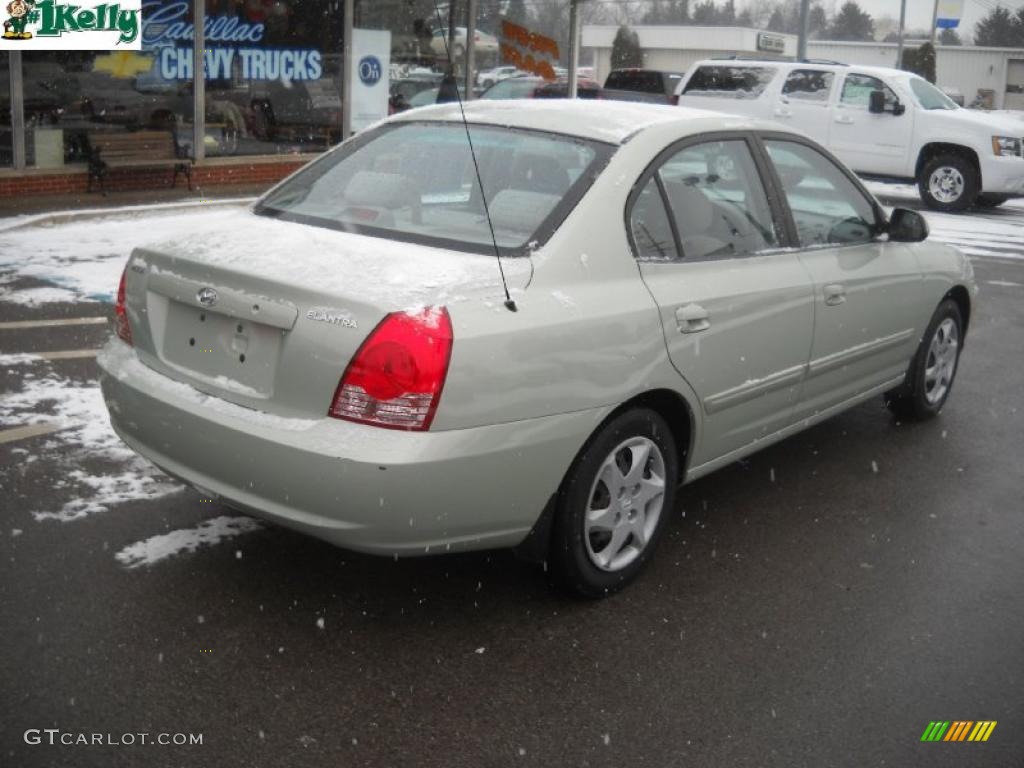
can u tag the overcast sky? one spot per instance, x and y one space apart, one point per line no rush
919 12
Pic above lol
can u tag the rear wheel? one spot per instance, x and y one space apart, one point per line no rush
930 378
614 504
949 183
991 201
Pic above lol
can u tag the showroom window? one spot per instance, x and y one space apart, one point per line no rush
6 139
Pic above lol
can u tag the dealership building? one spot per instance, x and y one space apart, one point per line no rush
274 91
996 75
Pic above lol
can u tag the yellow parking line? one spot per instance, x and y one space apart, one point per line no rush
23 433
22 324
70 354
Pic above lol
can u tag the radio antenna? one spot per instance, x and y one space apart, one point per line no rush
509 303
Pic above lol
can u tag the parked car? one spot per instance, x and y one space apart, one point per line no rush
533 87
402 91
651 85
680 289
484 43
489 77
881 122
429 96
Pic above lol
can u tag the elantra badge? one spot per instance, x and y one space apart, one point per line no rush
207 297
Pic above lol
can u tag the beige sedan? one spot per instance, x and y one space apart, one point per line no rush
407 348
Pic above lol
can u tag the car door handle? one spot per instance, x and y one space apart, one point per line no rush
692 318
835 294
780 112
844 119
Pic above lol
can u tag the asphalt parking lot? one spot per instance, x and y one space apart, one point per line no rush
818 604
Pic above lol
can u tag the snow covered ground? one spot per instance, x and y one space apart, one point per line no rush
79 259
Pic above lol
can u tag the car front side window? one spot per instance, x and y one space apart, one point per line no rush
857 91
827 207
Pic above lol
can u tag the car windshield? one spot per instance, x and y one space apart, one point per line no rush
416 182
930 97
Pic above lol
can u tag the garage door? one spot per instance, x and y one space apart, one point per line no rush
1014 84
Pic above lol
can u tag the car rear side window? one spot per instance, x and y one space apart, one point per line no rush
717 200
729 81
650 227
827 207
811 85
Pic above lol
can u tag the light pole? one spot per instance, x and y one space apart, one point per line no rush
574 44
899 47
801 41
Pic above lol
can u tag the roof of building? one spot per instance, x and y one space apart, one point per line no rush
608 121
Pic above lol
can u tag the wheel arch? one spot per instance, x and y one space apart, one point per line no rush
667 403
960 295
936 148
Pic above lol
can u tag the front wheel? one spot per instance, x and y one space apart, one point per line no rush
614 504
949 183
930 378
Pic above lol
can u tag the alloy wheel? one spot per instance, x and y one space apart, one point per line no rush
941 363
946 184
625 504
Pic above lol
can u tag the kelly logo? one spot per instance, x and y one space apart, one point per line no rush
958 730
86 25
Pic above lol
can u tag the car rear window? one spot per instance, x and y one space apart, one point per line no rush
416 182
729 81
643 80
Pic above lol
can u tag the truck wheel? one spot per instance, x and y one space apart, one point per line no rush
614 504
991 201
949 183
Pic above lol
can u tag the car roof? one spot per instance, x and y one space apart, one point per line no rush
608 121
820 65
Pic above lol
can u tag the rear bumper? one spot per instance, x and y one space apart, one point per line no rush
360 487
1003 176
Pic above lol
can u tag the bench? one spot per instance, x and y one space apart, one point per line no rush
139 149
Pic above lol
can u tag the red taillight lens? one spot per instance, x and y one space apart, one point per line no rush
121 327
396 377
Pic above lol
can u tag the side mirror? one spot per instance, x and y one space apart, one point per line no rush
898 108
876 102
906 226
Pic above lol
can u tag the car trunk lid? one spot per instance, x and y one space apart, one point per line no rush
267 314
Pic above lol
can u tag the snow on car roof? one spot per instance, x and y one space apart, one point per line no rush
608 121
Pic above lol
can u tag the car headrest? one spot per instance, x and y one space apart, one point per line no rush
518 209
539 173
693 211
379 190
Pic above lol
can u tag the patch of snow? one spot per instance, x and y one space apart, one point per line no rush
206 534
85 434
564 299
21 358
320 623
36 297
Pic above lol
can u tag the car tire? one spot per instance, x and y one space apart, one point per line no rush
991 201
933 369
614 504
949 183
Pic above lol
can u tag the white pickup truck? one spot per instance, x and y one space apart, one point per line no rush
883 123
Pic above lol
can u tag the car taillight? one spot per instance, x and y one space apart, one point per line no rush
121 327
396 377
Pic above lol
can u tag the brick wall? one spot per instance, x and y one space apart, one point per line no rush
210 174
